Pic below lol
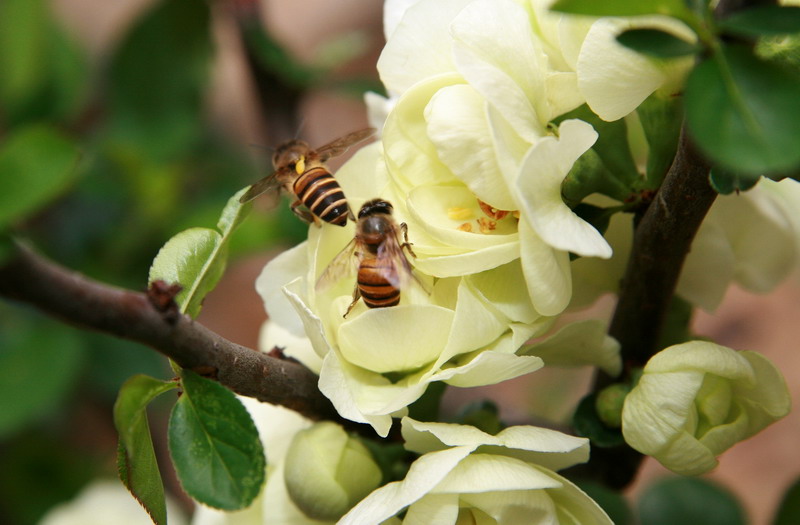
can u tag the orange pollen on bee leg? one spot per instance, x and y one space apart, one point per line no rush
486 225
491 211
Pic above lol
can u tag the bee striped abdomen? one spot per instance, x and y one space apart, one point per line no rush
319 192
376 291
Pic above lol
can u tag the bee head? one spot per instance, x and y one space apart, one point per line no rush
375 206
291 155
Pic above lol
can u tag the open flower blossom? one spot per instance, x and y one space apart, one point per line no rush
468 476
697 399
465 331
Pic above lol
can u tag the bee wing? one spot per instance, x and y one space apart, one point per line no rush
340 145
398 272
270 182
345 263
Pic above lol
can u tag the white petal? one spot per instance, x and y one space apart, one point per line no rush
393 12
488 368
424 474
615 79
281 270
507 71
580 343
490 472
556 450
500 288
420 45
547 273
378 339
539 184
458 126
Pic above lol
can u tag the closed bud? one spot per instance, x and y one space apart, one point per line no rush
609 404
327 472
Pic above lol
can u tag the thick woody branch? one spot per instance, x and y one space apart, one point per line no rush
660 245
78 300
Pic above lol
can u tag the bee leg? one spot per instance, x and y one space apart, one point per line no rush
407 245
305 215
356 297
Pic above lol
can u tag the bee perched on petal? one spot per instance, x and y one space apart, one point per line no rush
301 171
376 256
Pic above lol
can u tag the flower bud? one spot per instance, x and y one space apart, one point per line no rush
697 399
327 471
609 403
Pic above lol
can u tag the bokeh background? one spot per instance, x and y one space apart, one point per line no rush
173 105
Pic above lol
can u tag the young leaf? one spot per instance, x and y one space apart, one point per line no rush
196 258
744 113
661 120
36 164
689 500
215 446
621 7
136 458
656 43
767 20
23 41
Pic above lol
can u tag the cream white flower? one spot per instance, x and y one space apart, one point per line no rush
466 474
105 501
697 399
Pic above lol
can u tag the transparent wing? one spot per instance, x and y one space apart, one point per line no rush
343 265
268 183
393 263
340 145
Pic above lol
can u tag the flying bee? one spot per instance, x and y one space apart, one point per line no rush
301 171
376 256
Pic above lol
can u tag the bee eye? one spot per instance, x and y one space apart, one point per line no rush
292 165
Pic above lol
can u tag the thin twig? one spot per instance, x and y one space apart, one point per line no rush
78 300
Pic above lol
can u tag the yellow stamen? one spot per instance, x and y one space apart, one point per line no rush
459 214
466 227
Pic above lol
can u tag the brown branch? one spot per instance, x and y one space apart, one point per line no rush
660 245
78 300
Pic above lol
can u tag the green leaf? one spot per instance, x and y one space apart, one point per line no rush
656 43
23 42
689 500
196 258
614 503
766 20
726 182
621 7
611 147
661 120
744 113
136 459
40 362
36 164
587 424
482 414
215 446
158 77
789 509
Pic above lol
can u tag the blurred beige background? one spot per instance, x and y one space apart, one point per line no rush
758 470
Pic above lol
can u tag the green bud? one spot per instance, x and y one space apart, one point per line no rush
609 404
327 472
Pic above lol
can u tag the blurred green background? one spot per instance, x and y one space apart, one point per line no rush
155 106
